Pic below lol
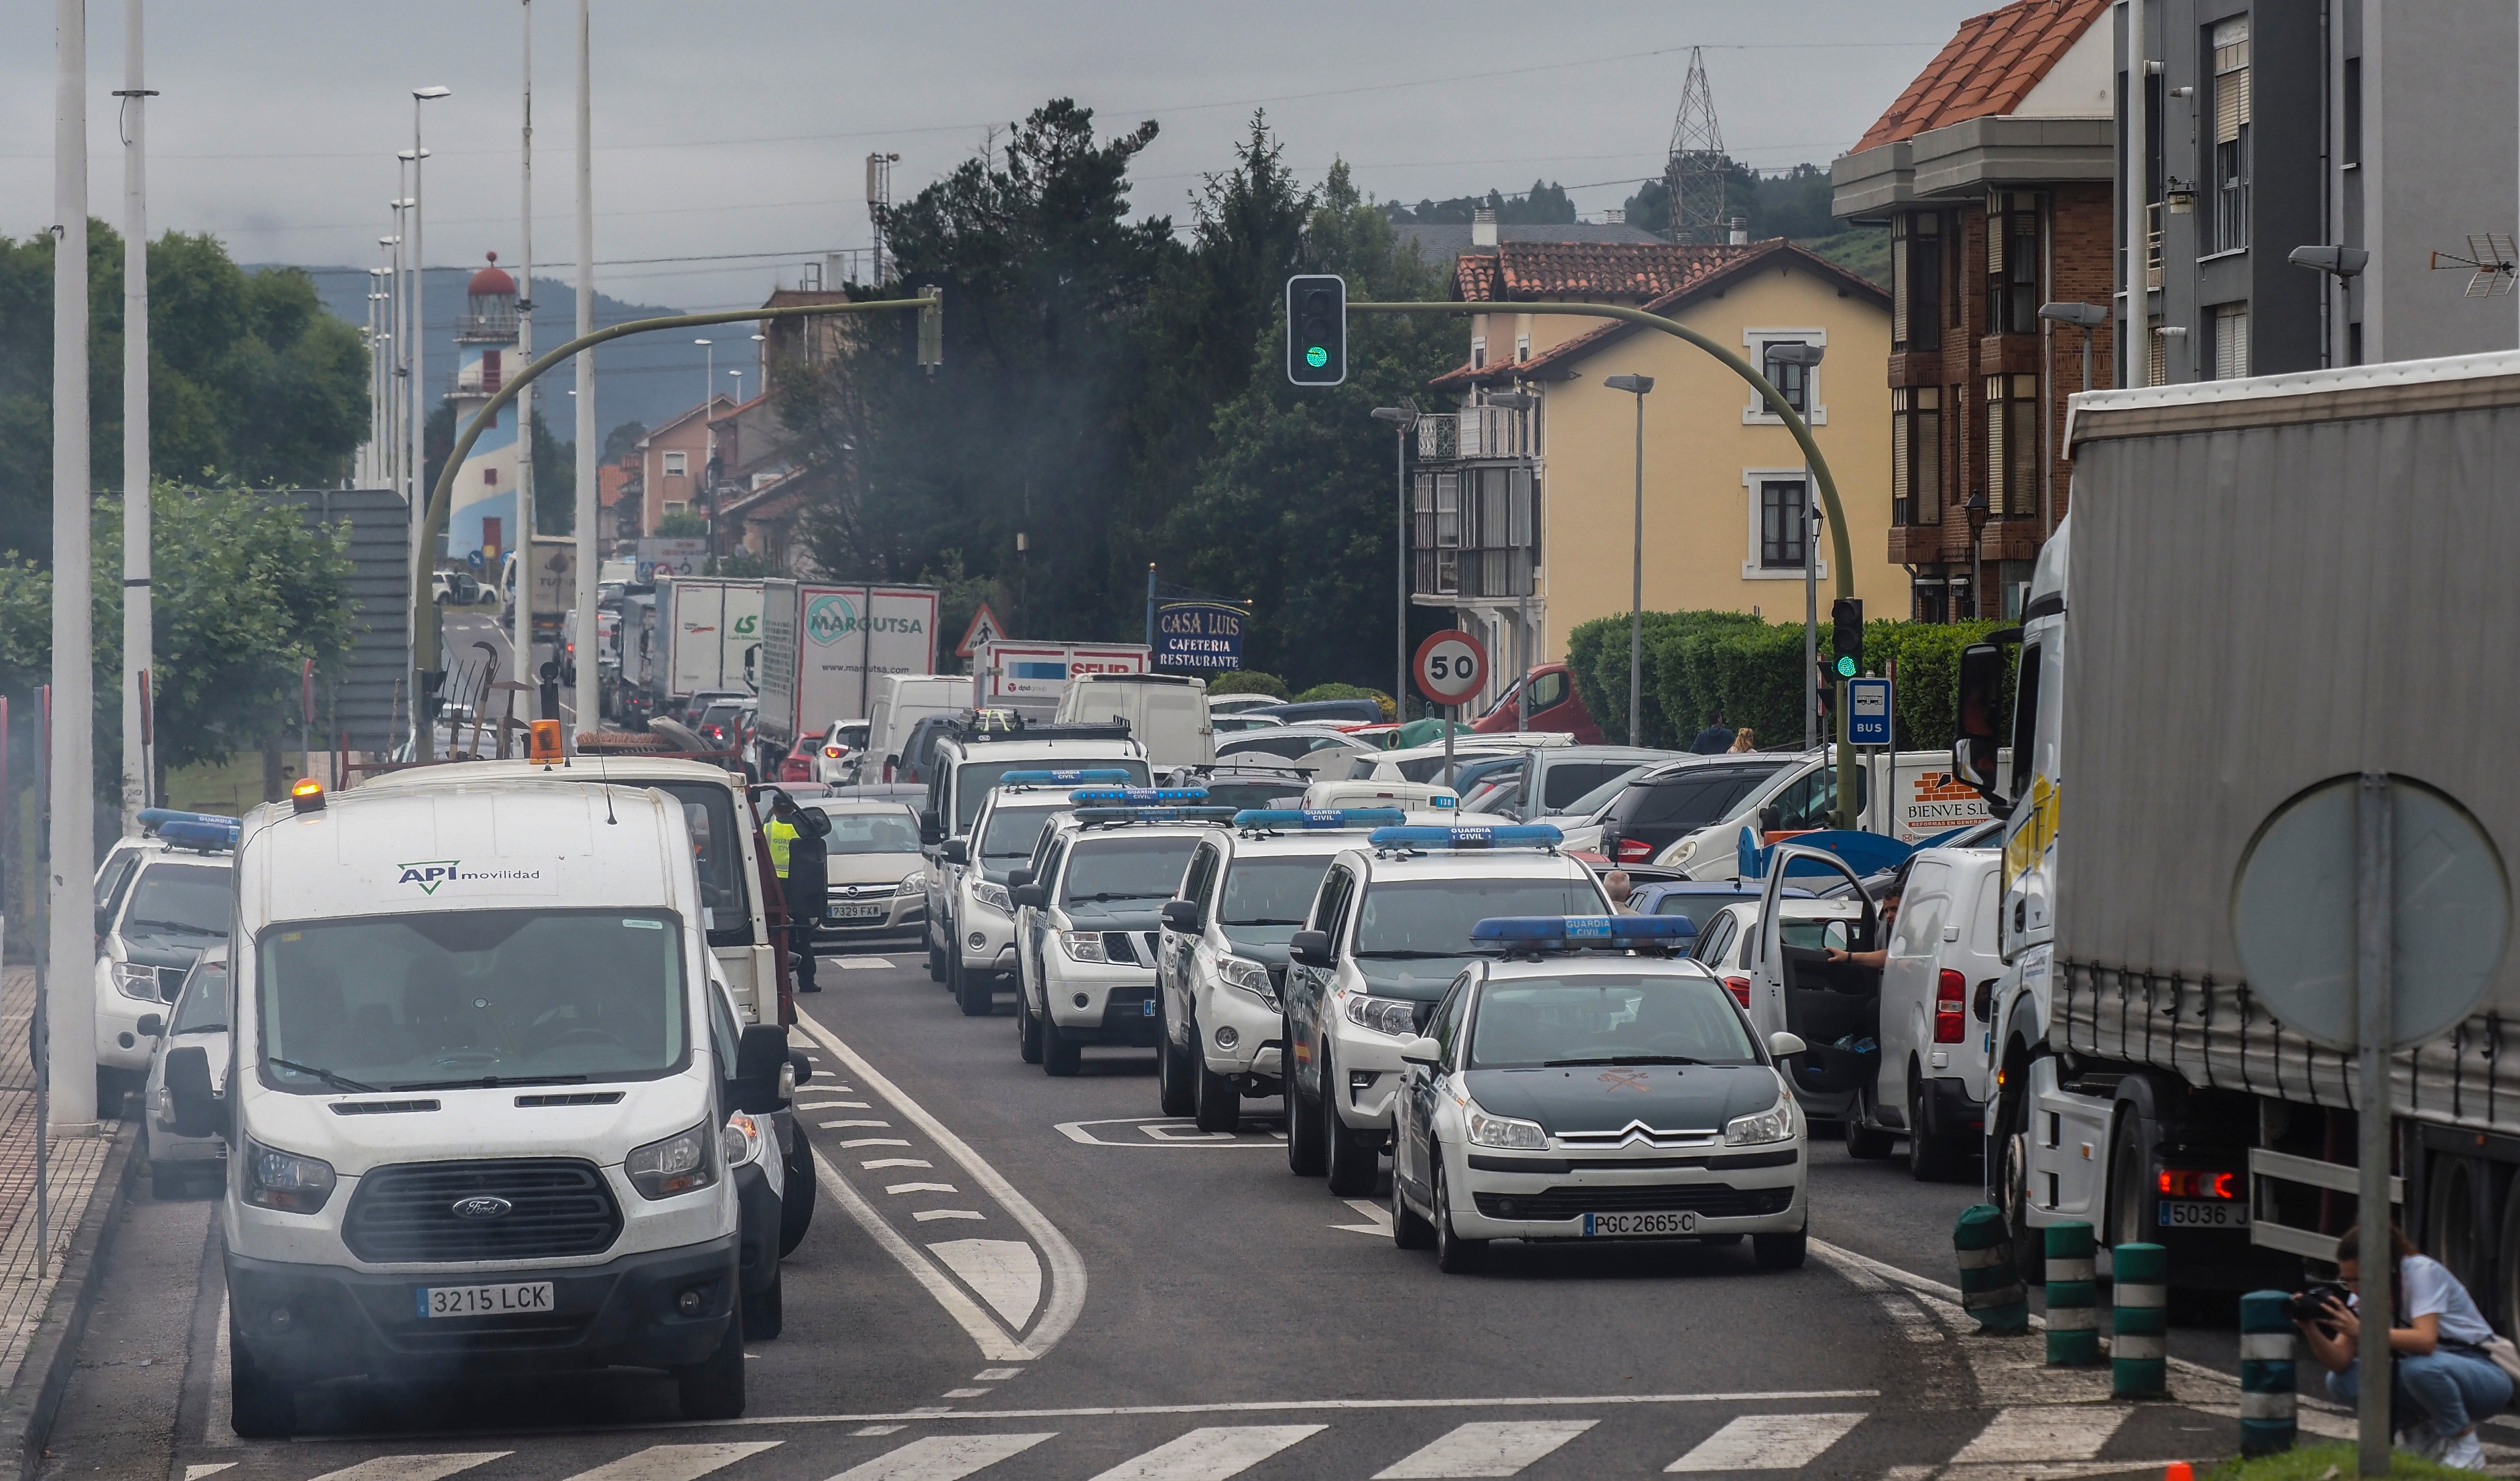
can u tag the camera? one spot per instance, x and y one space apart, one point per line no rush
2311 1305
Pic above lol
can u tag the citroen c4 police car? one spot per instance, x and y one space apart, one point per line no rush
1002 838
1087 919
1224 953
1388 931
1583 1085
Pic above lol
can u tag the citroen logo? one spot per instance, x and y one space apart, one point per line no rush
482 1207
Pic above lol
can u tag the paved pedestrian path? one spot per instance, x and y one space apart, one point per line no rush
27 1273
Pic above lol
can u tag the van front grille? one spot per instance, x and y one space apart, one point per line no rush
555 1208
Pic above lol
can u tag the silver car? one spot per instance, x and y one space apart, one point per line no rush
178 1163
872 870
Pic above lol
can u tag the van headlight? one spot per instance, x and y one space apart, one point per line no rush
739 1141
1249 976
1083 946
1508 1132
679 1164
284 1180
132 980
1395 1016
984 893
1774 1124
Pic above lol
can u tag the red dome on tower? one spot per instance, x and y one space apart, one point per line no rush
492 279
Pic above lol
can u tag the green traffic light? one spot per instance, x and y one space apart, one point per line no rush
1317 357
1845 666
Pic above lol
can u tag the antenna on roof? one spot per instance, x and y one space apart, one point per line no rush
1692 177
2492 266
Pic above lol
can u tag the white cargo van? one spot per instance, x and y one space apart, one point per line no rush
1165 712
901 701
484 1097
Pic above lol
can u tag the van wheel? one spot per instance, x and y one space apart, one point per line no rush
713 1387
796 1199
975 992
1061 1055
935 960
1218 1105
259 1406
1865 1141
1351 1158
1304 1131
108 1094
169 1181
1174 1091
1930 1158
763 1316
1027 1028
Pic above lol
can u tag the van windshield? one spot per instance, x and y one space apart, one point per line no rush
718 847
443 1000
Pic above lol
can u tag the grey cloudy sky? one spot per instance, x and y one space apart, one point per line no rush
742 126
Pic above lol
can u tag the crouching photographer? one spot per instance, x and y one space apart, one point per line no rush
2443 1378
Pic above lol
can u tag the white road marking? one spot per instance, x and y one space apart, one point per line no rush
1210 1454
833 1125
993 1342
196 1472
412 1467
1767 1442
990 1374
1161 1131
222 1381
873 1141
1067 1299
1284 1406
1378 1219
675 1462
1006 1275
2044 1432
831 1106
930 1216
879 1429
940 1458
965 1393
1488 1448
862 963
920 1187
894 1162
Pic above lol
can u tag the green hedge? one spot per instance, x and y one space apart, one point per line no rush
1247 681
1699 662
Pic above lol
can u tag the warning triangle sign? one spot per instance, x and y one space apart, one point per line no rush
985 628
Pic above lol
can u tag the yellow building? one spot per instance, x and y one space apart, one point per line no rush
1526 514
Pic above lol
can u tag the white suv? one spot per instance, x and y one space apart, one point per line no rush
1387 934
1223 956
1003 838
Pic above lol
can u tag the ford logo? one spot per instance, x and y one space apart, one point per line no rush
482 1207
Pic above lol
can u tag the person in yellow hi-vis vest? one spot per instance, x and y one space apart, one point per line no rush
796 850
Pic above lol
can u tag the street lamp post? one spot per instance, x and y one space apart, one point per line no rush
520 641
1402 418
705 484
2088 317
1806 356
1976 509
137 633
423 715
1636 385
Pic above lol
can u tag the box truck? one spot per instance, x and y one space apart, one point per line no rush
824 646
2262 588
1032 676
708 635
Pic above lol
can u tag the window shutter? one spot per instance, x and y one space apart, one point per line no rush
1899 281
2230 78
1926 508
1994 431
2230 340
1900 491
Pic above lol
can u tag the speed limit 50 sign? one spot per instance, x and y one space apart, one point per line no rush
1452 666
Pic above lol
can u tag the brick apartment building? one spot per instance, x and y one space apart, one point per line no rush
1994 173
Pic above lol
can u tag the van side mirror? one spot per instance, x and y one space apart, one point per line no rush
1785 1046
1017 879
151 1026
1980 722
759 1055
956 852
1032 896
199 1112
1311 947
1181 915
931 829
802 1063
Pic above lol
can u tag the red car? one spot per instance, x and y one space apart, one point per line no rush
1555 706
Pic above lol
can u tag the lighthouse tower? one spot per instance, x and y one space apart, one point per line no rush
481 513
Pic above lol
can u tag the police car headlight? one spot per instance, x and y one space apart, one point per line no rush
1511 1133
995 897
1394 1016
679 1164
1251 976
1083 946
1774 1124
133 981
739 1141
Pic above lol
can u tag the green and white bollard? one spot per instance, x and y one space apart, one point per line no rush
1989 1287
2266 1374
2073 1297
2137 1369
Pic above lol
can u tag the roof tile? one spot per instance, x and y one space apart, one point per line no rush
1626 270
1987 67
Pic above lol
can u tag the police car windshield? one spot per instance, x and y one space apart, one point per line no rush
1012 832
181 900
204 1007
1273 891
1433 917
872 833
1607 1019
464 998
1121 867
973 779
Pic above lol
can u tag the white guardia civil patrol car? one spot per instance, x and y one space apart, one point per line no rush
1584 1085
1002 837
1388 931
1087 919
1224 953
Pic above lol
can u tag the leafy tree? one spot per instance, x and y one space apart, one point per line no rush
1795 204
682 523
1546 204
960 593
623 440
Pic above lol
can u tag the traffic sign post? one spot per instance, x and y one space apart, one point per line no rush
1867 711
1452 666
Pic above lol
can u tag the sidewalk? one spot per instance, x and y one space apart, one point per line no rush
25 1282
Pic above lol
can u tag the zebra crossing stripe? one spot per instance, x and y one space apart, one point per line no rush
412 1467
2044 1432
1211 1453
675 1462
1485 1449
941 1457
1767 1442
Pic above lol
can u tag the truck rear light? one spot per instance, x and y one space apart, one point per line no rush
2195 1182
1739 987
1950 1007
1634 851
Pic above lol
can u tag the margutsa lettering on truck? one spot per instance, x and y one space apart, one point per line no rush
824 646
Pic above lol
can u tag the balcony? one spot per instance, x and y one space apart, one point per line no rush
1475 530
1474 432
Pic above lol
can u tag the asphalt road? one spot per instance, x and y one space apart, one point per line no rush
475 641
1013 1276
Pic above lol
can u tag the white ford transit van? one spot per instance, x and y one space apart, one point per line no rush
484 1099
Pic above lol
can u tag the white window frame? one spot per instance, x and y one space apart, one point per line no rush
678 463
1478 351
1751 478
1754 411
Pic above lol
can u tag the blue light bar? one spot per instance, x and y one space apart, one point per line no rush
206 834
1518 835
1069 775
154 818
1584 930
1137 797
1154 815
1320 817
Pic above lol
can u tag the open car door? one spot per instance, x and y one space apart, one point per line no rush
1835 1007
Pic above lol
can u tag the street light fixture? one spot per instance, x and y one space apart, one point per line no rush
2088 317
424 689
1636 385
1977 510
1402 418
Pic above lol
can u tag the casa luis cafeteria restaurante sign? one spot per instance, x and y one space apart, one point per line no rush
1199 635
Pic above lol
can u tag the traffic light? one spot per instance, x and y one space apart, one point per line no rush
1846 637
1316 330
